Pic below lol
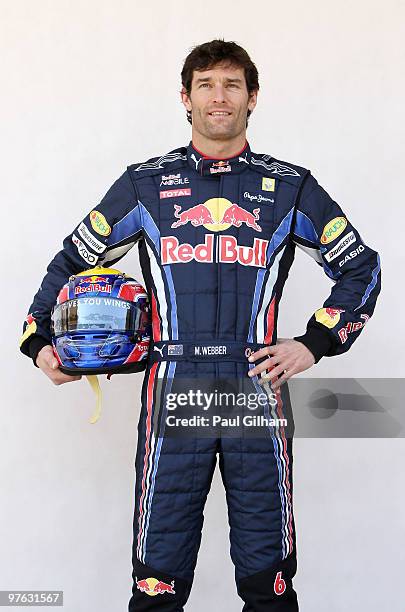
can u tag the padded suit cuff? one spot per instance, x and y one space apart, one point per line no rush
156 590
317 340
35 345
271 589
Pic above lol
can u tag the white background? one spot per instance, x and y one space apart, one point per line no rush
90 87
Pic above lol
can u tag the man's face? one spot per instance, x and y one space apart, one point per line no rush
219 102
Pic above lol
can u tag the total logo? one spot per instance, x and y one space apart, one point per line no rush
153 587
175 193
352 327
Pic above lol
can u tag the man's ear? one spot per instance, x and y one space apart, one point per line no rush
185 98
252 100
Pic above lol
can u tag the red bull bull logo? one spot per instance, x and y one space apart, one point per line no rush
196 215
236 215
217 214
220 166
153 587
92 279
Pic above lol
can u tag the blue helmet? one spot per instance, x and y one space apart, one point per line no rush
101 323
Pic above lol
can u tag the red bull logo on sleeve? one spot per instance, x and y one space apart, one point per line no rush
328 316
352 327
153 587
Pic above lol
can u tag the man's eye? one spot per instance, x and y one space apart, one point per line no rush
204 84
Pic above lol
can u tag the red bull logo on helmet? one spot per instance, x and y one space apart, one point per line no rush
90 284
153 587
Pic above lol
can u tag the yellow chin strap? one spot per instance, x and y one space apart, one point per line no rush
95 385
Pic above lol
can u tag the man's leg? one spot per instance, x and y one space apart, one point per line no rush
173 477
257 474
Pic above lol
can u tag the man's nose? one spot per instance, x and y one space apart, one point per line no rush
219 94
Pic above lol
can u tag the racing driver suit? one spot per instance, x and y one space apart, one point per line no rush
216 240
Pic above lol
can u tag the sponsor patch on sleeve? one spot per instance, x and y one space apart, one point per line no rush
333 229
328 316
88 257
99 223
341 246
93 243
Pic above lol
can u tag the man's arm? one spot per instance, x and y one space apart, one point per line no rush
322 230
101 238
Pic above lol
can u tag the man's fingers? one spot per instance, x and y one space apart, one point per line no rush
264 365
62 378
274 372
263 352
47 357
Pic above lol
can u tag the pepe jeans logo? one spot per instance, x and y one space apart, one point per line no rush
258 197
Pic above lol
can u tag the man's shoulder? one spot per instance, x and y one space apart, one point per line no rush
279 168
156 165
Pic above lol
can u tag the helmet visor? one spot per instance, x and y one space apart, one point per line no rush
100 313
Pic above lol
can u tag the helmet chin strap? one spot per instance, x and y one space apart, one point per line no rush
95 385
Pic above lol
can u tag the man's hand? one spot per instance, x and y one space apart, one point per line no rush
286 357
49 365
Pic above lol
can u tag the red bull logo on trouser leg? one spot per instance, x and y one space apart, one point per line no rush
153 586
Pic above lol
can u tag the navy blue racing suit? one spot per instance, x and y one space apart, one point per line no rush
216 240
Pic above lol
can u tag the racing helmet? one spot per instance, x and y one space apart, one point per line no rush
101 323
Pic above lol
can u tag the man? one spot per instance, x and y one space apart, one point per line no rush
217 226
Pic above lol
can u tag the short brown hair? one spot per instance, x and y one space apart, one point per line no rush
207 55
